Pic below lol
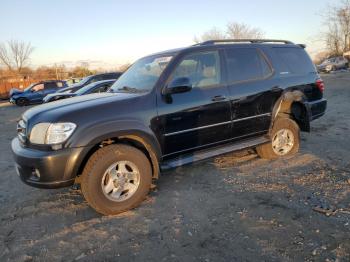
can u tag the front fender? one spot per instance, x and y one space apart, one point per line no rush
95 134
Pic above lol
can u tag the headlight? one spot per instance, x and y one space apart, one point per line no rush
329 67
51 133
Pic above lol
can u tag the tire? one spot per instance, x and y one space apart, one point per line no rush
96 178
289 131
22 102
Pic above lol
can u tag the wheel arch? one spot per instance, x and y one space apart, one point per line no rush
136 139
291 105
21 97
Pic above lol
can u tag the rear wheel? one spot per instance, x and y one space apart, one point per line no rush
22 102
285 140
116 178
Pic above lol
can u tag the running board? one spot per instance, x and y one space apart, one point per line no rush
209 153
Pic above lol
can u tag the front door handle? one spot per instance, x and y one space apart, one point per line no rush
218 98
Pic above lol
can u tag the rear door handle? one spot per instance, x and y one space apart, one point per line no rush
218 98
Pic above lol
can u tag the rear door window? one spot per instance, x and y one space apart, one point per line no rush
294 60
246 64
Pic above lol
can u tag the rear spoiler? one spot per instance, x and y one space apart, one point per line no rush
302 45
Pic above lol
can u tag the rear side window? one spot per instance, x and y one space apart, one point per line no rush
244 64
294 60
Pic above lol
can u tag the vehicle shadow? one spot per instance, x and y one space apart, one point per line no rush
6 104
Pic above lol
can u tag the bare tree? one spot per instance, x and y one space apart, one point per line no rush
15 54
333 39
337 33
343 15
242 31
212 34
233 30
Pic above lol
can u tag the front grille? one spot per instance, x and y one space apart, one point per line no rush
22 131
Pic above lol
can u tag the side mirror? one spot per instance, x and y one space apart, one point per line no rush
179 85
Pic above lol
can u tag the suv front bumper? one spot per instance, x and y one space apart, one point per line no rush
47 169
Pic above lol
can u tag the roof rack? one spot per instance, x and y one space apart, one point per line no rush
252 41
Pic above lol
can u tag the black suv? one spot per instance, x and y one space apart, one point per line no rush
170 109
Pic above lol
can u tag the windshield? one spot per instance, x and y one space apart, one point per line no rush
142 75
81 82
29 87
84 80
84 89
329 60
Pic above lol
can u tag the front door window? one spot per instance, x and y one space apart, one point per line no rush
203 69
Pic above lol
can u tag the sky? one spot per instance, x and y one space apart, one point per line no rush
110 33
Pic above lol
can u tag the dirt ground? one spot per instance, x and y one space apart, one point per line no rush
233 208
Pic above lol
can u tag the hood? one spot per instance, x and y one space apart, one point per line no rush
15 91
57 96
75 107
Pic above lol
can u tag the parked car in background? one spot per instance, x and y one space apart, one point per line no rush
169 109
96 87
91 79
333 64
35 93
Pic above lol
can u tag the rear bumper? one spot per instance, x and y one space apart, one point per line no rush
317 108
47 169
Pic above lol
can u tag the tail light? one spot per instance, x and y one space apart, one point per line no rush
320 85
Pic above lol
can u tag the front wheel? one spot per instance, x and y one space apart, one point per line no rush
285 140
22 102
116 178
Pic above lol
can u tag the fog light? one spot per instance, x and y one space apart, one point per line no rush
36 174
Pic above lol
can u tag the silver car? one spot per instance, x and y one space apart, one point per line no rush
333 64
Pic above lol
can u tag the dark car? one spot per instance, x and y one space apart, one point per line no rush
35 93
96 87
91 79
170 109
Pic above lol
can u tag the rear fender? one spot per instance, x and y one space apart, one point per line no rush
292 104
